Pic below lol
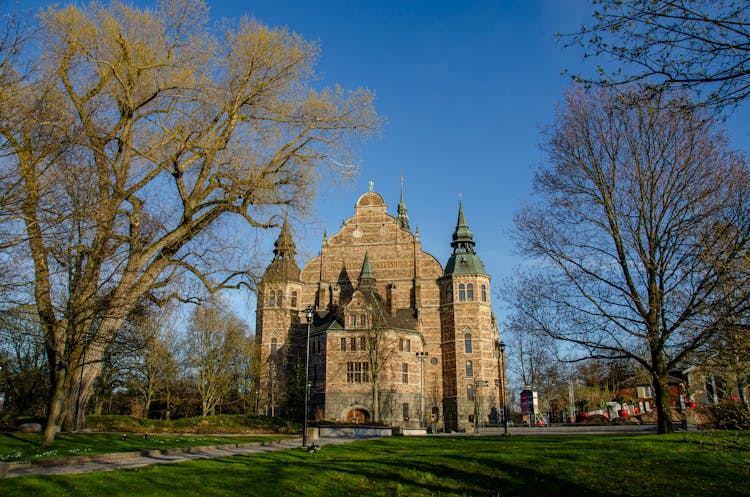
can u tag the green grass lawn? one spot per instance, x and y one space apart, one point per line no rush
27 446
705 465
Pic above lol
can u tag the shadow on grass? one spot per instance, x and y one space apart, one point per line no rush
615 467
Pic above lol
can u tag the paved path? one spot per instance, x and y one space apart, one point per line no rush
127 460
572 429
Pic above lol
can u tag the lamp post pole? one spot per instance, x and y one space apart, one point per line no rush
501 346
421 356
309 315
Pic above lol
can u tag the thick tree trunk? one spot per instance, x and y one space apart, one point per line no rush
663 406
57 395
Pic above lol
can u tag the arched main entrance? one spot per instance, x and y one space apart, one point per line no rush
358 416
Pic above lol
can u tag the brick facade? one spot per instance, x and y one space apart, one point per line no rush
379 301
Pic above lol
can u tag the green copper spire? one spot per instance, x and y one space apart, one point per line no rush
366 276
402 218
464 259
463 239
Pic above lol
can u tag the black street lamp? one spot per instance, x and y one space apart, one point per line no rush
309 311
501 347
421 356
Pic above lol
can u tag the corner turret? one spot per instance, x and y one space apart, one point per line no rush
464 259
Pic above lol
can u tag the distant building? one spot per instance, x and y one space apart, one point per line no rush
386 313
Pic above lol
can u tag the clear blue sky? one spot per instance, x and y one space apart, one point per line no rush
465 87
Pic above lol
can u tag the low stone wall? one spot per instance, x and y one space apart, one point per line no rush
353 431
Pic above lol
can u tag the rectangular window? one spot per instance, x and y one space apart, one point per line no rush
405 411
400 344
408 345
353 344
363 321
484 293
362 343
645 392
343 345
357 372
353 320
469 392
404 373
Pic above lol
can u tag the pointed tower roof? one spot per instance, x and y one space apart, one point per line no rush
402 218
284 247
366 276
464 259
463 239
283 267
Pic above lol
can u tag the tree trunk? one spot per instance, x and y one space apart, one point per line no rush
663 406
57 395
375 400
741 391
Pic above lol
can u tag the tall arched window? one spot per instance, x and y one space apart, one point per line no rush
280 298
461 292
469 392
484 293
449 293
294 299
470 292
469 368
468 348
272 298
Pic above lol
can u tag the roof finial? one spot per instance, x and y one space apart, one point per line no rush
402 218
371 183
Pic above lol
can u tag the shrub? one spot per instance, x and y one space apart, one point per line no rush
732 416
209 424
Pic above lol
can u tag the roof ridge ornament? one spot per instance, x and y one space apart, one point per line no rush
402 218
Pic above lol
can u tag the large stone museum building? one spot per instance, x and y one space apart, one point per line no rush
395 337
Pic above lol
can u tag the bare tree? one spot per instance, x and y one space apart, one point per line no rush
641 215
380 346
534 353
140 144
688 44
215 343
23 363
150 362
